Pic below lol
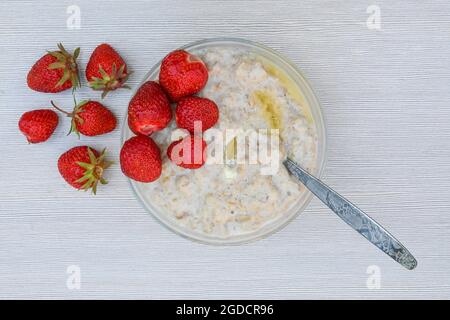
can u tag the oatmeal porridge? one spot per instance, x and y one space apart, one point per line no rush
226 200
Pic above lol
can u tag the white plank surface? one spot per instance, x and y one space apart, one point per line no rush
386 98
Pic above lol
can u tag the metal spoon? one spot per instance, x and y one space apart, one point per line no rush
354 216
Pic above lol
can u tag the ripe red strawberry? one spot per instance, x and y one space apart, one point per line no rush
106 70
38 125
188 152
140 159
130 125
149 109
182 74
56 71
90 118
82 167
196 109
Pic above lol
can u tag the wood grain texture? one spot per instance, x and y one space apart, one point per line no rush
385 95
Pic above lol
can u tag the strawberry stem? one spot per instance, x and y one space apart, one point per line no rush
61 110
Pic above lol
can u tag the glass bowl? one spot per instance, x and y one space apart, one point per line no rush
312 104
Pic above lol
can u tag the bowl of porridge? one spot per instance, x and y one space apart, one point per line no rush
259 94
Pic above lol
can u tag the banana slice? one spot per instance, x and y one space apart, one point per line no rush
291 87
269 107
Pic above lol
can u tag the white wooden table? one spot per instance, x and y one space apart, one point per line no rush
386 98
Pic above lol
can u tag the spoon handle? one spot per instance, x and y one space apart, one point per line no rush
354 217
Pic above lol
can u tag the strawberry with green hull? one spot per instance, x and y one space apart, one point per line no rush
195 148
83 167
149 109
106 70
55 72
38 125
140 159
90 118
